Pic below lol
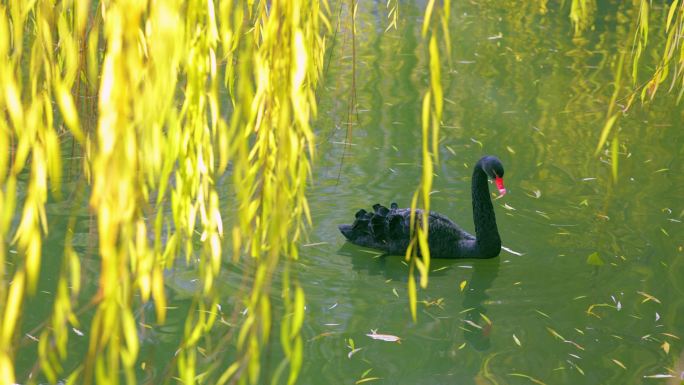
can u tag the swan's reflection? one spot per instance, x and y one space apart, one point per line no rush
477 326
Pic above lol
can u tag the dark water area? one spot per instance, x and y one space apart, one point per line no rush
589 289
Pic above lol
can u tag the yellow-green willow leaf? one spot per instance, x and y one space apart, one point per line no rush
614 156
6 367
605 132
298 316
296 360
428 16
413 297
15 297
670 14
435 76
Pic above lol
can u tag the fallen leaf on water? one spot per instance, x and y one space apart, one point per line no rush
484 317
542 313
555 334
352 352
594 259
471 323
383 337
361 381
666 347
648 297
463 284
620 364
517 341
659 376
528 377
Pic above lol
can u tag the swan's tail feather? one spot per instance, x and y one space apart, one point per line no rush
372 229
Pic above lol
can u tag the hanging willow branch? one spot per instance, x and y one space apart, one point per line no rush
418 252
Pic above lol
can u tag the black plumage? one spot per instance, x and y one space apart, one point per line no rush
388 229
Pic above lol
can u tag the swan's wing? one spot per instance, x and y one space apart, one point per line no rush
444 228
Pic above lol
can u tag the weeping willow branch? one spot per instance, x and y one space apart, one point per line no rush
418 252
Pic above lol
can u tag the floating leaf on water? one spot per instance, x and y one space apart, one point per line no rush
315 244
542 313
670 335
575 356
394 290
516 340
543 214
512 151
590 310
584 203
594 259
506 249
352 352
580 297
661 170
476 141
486 319
383 337
440 269
463 284
657 316
664 232
473 324
574 365
648 297
618 363
666 347
32 338
555 334
507 207
369 379
659 376
536 381
333 306
575 344
463 345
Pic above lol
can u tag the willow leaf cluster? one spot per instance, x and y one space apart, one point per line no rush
418 253
152 73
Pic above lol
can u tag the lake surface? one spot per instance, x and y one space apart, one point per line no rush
522 88
591 289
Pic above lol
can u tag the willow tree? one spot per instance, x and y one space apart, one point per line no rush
151 72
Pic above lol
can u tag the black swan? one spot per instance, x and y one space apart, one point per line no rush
389 229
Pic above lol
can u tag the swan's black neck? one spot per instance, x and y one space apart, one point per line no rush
488 242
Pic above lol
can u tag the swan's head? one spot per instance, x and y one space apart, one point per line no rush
492 166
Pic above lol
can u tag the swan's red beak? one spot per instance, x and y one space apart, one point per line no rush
500 185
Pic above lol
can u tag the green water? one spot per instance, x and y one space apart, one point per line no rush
521 88
518 86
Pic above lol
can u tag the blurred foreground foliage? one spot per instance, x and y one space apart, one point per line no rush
162 99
